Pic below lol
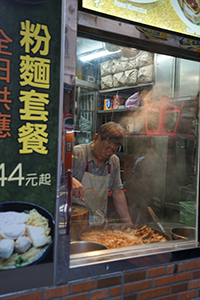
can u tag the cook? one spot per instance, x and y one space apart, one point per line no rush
96 171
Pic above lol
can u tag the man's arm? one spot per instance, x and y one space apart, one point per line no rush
77 189
120 203
79 164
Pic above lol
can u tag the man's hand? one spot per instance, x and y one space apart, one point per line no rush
77 189
121 207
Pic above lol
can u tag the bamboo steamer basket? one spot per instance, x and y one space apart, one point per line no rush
79 220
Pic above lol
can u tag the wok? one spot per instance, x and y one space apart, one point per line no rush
47 254
83 246
183 233
114 226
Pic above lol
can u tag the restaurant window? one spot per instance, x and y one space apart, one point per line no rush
151 96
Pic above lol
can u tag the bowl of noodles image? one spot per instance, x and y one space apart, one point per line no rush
26 234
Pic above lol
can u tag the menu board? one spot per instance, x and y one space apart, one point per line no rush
30 38
180 16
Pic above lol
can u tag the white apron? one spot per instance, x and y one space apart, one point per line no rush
96 190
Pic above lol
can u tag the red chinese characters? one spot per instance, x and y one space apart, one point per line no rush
5 101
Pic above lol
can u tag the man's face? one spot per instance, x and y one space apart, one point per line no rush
104 150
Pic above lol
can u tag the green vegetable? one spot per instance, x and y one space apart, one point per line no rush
20 261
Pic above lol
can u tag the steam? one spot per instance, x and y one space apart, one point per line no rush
154 167
138 119
134 121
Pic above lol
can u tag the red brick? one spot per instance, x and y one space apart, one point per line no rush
188 295
171 297
177 288
192 265
115 291
172 279
170 268
196 274
101 294
30 296
130 297
137 286
156 272
78 297
193 284
180 267
153 293
134 276
56 292
83 287
110 281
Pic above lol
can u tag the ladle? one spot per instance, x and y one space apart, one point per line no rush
155 218
97 212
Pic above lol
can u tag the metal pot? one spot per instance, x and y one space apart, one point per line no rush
83 246
183 233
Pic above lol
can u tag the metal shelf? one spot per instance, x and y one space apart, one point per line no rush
117 110
125 87
87 85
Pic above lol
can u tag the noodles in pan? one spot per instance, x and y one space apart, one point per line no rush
124 236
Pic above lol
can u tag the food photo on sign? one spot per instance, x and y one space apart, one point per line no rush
180 16
191 9
26 234
189 12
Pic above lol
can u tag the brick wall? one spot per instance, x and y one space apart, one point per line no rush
179 281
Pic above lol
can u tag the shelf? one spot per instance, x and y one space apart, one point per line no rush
94 86
117 110
86 84
125 87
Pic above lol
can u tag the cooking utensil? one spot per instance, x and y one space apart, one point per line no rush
84 246
183 233
155 218
99 213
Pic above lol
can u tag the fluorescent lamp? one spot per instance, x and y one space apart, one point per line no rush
97 55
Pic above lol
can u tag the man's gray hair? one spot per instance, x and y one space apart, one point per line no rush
112 132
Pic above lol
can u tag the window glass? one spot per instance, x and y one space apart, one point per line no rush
144 196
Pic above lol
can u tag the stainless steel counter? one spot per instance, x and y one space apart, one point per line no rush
111 255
